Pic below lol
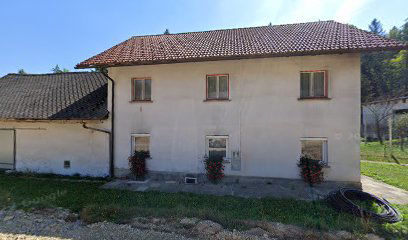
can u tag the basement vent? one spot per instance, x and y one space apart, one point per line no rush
67 164
190 180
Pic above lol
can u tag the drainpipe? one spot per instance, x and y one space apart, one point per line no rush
112 135
111 132
110 145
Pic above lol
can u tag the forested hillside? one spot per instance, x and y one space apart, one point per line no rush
384 75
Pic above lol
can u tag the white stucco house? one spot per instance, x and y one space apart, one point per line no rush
259 96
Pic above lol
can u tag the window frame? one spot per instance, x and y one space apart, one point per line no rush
207 145
132 140
326 85
218 92
325 147
133 95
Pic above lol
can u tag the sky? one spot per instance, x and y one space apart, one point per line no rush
37 35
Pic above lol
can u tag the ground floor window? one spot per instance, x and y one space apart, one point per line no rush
217 146
315 148
140 142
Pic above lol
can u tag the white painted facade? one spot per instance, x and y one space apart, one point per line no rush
43 146
263 119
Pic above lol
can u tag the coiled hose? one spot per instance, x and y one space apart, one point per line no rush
342 200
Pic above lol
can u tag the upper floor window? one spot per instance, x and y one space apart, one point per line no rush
141 89
217 87
313 84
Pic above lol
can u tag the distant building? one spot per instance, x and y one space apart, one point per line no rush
383 109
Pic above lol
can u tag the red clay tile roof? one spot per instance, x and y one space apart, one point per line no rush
313 38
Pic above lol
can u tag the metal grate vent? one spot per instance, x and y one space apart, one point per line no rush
190 180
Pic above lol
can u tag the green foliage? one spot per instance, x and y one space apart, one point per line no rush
376 27
401 125
167 31
57 69
393 174
375 151
88 198
94 213
385 74
21 71
5 199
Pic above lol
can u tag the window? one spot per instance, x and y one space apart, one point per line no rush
313 84
217 87
217 146
315 148
140 142
141 89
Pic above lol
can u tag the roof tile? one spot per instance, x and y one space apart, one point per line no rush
80 95
323 37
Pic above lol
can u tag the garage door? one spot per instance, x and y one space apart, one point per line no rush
6 149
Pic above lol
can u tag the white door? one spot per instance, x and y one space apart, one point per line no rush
6 149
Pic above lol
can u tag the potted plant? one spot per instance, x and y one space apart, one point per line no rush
311 170
137 163
214 167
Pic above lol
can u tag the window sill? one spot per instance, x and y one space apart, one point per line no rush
217 100
313 98
141 101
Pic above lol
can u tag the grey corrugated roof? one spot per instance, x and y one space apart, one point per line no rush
75 95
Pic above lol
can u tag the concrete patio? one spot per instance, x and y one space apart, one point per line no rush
276 188
390 193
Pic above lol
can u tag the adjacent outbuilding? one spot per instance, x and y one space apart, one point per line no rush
42 119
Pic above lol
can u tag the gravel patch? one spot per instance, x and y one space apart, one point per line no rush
58 223
50 224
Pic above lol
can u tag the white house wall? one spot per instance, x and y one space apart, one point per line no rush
264 119
44 146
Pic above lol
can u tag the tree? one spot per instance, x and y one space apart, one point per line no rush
395 33
21 71
384 74
381 112
401 128
166 31
376 27
57 69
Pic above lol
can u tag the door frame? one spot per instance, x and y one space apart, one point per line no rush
14 145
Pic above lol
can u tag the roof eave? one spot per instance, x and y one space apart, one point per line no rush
83 65
55 119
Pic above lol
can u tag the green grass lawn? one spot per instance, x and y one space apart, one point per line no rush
374 151
392 174
97 204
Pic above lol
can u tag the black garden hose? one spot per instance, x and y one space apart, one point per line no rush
342 200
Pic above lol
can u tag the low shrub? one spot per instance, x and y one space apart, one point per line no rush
311 170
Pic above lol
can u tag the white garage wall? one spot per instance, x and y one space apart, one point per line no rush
44 146
264 119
